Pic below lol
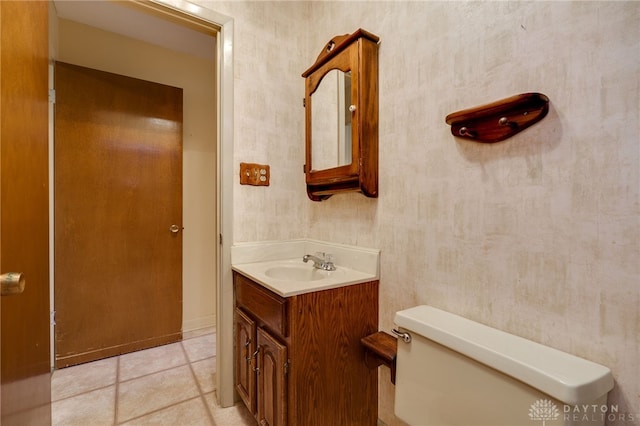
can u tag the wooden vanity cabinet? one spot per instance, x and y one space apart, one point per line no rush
272 370
299 360
245 345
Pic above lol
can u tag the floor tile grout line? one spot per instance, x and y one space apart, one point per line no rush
195 378
118 380
200 395
167 406
195 361
186 358
164 370
84 392
157 410
189 363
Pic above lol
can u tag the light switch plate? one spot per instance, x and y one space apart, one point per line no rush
254 174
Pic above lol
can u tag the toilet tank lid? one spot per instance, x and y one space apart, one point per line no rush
566 377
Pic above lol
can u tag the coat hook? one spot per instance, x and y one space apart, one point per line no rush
504 121
466 132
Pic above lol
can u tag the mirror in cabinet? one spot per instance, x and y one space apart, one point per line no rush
331 121
341 117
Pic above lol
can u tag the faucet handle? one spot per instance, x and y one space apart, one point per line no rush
320 255
328 262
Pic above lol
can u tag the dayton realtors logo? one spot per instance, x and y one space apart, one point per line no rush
544 410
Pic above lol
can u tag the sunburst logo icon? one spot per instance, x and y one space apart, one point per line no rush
545 410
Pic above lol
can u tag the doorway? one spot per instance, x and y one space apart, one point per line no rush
220 184
118 214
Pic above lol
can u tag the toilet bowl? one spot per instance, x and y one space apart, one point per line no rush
454 371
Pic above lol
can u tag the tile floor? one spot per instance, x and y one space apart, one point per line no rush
168 385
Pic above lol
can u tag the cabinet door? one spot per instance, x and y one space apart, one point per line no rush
245 359
272 402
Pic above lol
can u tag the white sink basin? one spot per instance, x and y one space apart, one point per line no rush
292 276
295 273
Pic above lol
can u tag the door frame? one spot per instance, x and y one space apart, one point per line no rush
193 14
224 49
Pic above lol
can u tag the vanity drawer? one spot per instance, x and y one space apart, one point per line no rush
266 306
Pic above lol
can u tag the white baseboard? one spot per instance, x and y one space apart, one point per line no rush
197 323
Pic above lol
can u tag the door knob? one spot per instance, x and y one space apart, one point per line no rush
12 283
174 228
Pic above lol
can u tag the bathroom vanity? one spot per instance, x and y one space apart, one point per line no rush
298 356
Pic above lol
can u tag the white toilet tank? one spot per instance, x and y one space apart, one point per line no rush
455 371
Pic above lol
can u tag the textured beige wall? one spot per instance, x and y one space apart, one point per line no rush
269 55
537 235
90 47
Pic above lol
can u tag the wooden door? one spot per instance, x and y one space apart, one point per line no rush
118 214
272 393
25 372
246 359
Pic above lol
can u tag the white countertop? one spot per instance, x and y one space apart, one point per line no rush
354 265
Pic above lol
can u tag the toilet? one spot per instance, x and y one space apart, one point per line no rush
454 371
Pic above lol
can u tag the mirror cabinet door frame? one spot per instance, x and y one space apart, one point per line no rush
341 63
358 53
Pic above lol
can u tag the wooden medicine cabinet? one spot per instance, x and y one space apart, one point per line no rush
341 117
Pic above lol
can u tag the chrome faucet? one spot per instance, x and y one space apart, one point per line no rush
325 263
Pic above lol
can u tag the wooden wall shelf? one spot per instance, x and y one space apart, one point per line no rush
499 120
381 349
